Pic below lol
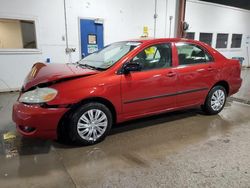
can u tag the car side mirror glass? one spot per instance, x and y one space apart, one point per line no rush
130 67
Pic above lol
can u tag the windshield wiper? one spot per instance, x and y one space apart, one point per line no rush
90 66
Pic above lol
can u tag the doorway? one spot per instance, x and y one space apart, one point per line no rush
91 36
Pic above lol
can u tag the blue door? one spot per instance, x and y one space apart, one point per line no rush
91 36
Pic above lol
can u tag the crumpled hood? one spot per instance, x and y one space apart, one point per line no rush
44 73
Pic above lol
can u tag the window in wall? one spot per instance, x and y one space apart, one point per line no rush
17 34
154 57
221 41
192 54
190 35
206 37
236 40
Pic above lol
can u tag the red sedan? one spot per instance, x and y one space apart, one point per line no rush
123 81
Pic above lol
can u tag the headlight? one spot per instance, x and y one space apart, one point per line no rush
39 95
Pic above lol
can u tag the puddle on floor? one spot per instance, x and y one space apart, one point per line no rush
8 144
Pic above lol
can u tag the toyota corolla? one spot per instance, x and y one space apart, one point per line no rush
123 81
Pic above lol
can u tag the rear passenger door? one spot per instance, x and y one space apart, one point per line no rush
196 73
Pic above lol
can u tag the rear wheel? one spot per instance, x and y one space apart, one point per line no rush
90 123
215 100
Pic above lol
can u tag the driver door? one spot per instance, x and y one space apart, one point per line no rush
151 89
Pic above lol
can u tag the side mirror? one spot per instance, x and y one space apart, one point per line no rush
130 67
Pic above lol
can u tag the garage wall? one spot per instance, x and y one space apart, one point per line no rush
122 20
214 18
48 16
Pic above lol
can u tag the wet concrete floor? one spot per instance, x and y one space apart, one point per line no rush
180 149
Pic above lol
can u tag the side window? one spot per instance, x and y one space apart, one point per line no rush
236 40
154 57
189 35
191 54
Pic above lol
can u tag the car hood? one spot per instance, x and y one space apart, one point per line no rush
45 73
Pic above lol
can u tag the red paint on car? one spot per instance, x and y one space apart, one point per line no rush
133 95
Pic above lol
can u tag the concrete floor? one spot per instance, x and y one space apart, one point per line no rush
181 149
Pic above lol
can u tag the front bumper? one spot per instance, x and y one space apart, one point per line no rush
41 122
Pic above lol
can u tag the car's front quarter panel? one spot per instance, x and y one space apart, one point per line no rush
102 86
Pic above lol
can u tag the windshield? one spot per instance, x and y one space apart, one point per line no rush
109 55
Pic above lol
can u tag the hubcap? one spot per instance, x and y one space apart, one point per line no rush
217 100
92 125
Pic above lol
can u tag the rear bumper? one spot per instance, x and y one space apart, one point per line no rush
42 122
235 86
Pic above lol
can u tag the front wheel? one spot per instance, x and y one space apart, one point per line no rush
215 100
90 123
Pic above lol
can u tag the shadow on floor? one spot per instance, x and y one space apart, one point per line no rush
18 145
140 124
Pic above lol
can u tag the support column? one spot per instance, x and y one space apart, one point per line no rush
181 18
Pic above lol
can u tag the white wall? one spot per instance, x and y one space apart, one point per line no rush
48 16
214 18
122 20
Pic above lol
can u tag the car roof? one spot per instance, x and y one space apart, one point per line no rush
153 40
148 40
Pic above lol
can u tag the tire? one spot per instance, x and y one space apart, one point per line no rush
90 124
215 100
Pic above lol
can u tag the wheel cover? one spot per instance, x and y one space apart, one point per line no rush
218 100
92 124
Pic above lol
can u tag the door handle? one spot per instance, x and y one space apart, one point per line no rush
210 68
200 70
171 74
